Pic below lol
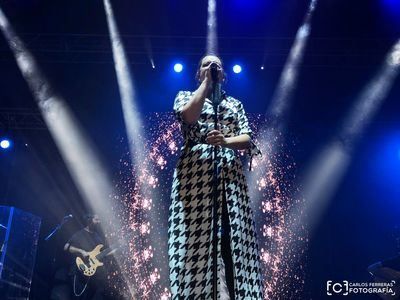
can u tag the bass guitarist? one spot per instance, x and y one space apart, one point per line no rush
80 245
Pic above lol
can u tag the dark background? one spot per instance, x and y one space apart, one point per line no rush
349 40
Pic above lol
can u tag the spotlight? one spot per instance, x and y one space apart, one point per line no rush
178 68
5 144
262 68
237 69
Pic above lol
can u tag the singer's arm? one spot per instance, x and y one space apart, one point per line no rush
192 110
239 142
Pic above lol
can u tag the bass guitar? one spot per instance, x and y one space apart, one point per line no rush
88 265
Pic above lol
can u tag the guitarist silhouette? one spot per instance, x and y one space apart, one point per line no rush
81 246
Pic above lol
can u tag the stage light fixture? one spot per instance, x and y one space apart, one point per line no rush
262 68
5 144
178 67
237 69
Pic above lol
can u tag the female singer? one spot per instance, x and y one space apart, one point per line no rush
190 221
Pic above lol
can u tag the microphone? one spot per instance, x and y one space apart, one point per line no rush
216 96
68 217
216 90
214 71
58 227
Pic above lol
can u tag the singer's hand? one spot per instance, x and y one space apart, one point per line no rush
207 73
216 138
207 77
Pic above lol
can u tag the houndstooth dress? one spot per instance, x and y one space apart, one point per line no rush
190 213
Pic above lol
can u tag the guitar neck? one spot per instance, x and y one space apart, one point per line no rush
105 252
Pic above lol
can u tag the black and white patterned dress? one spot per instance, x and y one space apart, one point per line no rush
190 214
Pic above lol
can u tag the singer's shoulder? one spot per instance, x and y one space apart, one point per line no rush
184 94
233 100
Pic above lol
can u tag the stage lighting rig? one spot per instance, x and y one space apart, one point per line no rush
5 144
237 69
178 67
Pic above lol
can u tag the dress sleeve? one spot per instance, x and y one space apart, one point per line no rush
244 128
190 132
181 99
243 124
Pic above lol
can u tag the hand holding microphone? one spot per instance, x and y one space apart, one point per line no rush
216 72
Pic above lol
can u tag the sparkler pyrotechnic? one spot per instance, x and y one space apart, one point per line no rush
138 229
283 245
189 196
145 219
164 139
278 202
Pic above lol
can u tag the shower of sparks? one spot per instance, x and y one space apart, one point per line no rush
282 250
146 259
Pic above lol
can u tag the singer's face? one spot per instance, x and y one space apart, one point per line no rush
206 62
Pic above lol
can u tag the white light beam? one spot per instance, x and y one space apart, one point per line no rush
132 118
327 170
80 157
212 41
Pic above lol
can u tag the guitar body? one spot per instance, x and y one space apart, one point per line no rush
89 267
